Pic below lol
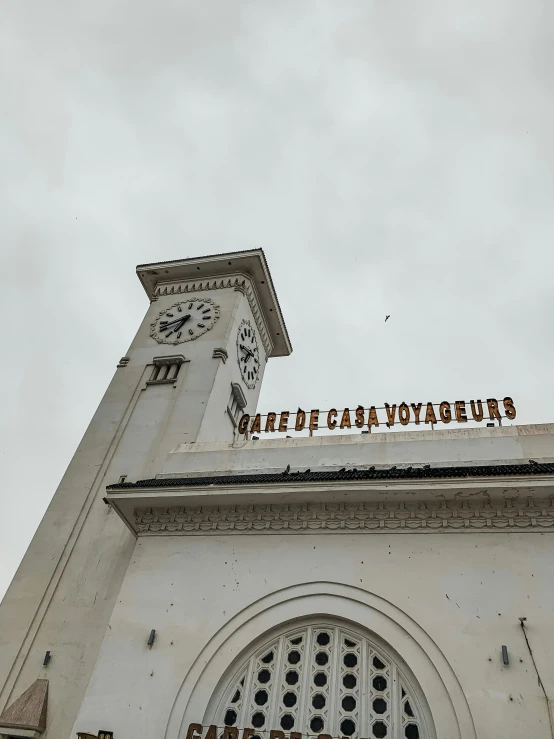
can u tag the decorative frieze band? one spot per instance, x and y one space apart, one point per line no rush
242 284
522 514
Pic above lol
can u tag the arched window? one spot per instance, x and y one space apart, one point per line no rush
323 679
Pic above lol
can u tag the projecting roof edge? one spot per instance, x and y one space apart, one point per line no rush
391 473
179 261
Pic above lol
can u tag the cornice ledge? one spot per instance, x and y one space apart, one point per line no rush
532 515
411 486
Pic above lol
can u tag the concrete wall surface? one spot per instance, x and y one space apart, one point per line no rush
506 444
445 603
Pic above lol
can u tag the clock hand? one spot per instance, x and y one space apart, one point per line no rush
247 352
167 324
250 354
181 321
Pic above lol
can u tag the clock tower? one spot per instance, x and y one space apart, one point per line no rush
203 348
195 365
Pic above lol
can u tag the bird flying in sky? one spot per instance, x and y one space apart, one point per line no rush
387 318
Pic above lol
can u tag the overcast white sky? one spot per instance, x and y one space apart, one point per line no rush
390 157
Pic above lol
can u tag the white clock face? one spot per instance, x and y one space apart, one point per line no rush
248 354
185 321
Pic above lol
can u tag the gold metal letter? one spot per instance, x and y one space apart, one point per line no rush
493 409
430 414
314 420
283 421
372 419
510 408
445 412
345 420
194 731
300 420
243 424
404 414
461 411
477 415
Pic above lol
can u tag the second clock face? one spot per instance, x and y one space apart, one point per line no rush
185 321
248 354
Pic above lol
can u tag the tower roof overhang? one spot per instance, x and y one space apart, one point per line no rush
251 263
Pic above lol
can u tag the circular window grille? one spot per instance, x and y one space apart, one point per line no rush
322 679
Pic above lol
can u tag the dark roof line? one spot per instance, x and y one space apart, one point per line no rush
184 259
391 473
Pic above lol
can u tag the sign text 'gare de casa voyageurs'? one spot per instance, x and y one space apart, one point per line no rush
459 410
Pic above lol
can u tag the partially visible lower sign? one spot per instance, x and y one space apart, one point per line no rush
196 731
360 417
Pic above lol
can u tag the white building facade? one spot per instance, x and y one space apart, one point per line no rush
189 582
